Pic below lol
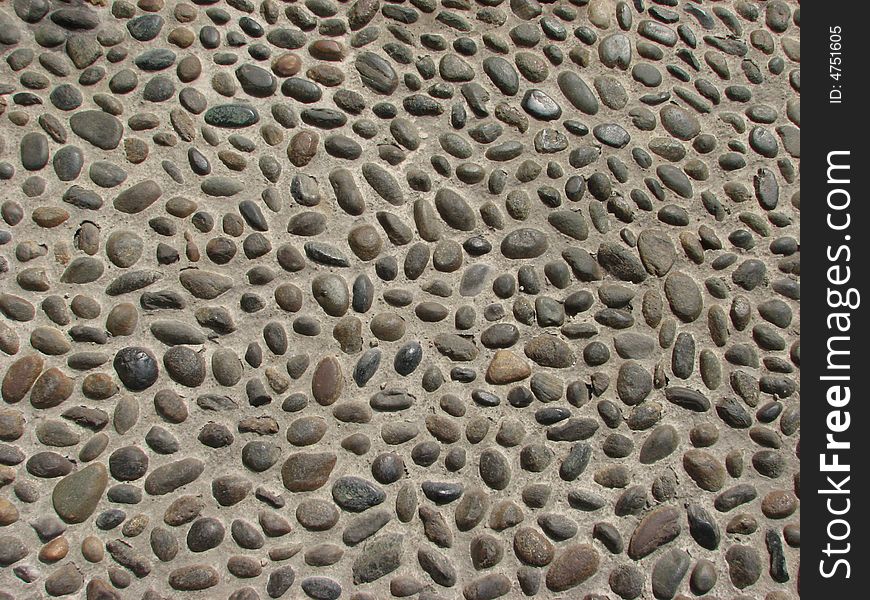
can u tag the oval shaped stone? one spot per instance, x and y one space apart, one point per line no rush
137 198
684 296
20 377
705 469
136 368
51 389
232 116
524 243
75 497
327 382
655 530
307 471
169 477
193 578
97 127
376 73
578 92
574 565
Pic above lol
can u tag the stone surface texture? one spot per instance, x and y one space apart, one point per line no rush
364 299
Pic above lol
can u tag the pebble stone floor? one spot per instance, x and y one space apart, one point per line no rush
364 299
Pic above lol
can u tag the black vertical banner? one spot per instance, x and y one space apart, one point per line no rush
836 267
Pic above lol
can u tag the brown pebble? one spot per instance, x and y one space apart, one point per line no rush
507 367
99 386
327 382
92 549
7 475
327 50
54 550
705 469
779 504
19 118
136 150
742 524
50 341
189 69
8 512
327 75
122 319
51 389
365 241
150 5
572 567
287 65
232 160
20 377
184 12
302 148
181 37
49 216
272 134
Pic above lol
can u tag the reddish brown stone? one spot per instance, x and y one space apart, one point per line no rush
327 75
52 388
20 377
327 50
532 547
572 567
302 148
704 469
327 382
287 65
54 550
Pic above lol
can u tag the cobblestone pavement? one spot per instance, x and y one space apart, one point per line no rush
432 298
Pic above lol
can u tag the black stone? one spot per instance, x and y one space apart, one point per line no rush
136 368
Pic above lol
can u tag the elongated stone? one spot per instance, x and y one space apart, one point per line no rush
20 377
232 116
327 381
655 530
137 198
169 477
381 556
206 285
578 92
